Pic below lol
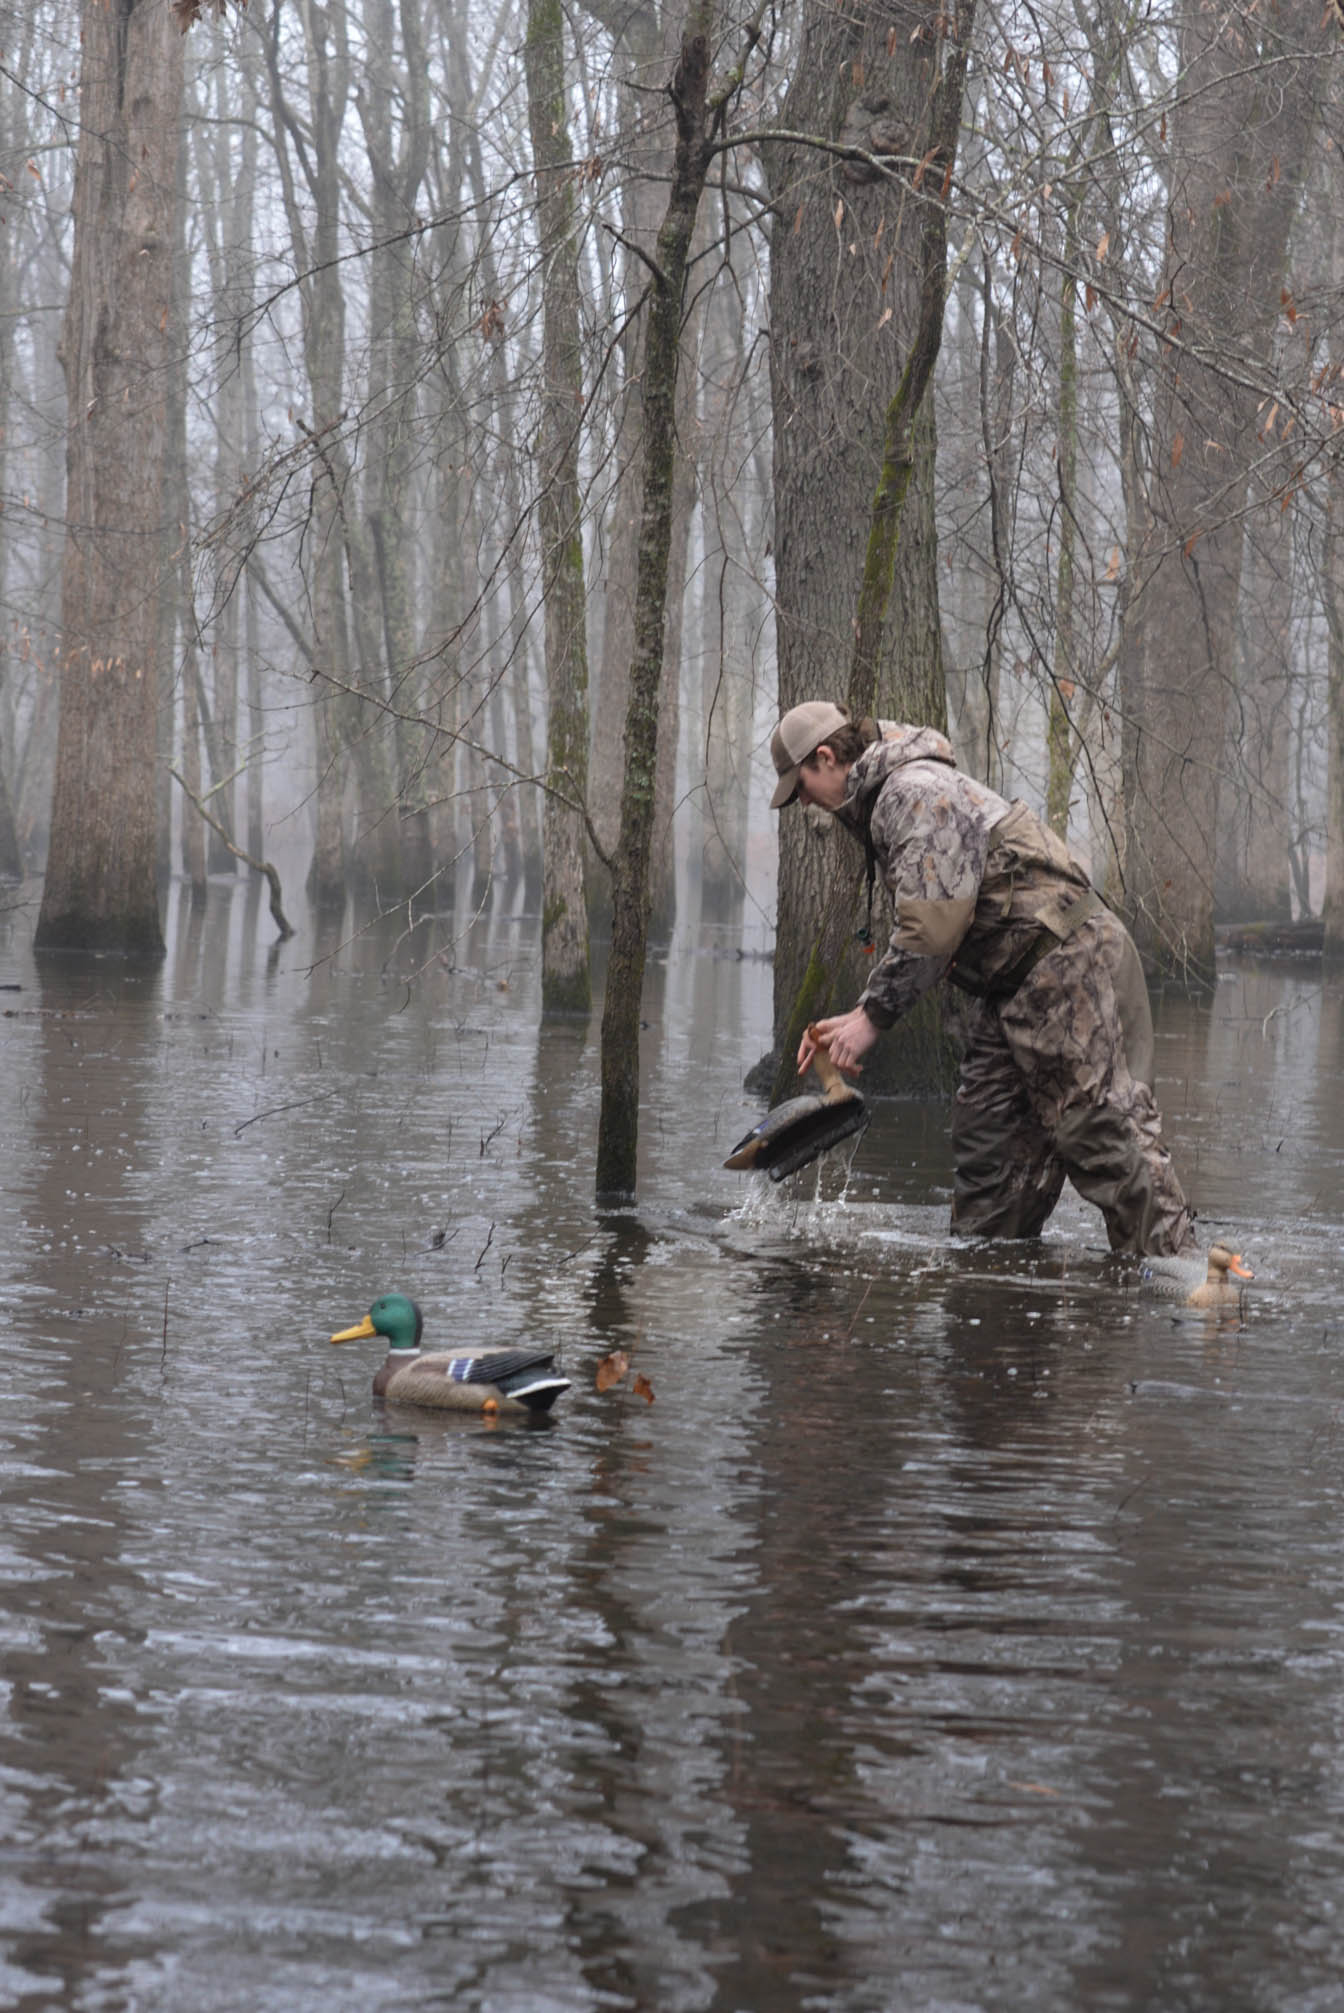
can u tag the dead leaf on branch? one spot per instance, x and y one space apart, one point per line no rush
642 1387
187 12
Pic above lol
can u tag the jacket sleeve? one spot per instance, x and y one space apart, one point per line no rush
931 848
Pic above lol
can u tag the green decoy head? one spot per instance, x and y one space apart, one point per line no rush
396 1316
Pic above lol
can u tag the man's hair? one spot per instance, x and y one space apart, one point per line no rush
847 743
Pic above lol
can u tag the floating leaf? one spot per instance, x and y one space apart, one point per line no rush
611 1369
642 1387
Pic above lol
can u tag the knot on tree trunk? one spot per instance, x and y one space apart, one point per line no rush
873 125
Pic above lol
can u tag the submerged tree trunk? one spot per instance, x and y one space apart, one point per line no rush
618 1121
118 338
11 865
566 983
858 273
1253 881
1332 906
1239 154
643 51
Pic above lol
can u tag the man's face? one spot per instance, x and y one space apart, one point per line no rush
821 780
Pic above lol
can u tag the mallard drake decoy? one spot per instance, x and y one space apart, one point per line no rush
795 1132
506 1381
1200 1281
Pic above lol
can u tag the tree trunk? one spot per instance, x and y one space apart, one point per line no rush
313 143
985 381
566 982
858 271
734 516
1060 737
1237 166
618 1119
10 859
118 342
642 44
1254 853
1332 907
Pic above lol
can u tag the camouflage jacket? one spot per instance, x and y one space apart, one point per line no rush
973 880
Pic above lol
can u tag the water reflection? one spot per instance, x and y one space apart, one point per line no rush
956 1626
78 1476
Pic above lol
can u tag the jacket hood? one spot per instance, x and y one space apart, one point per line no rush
897 746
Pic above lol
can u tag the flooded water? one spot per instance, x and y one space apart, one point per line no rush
956 1628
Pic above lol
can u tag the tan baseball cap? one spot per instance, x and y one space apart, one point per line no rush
797 736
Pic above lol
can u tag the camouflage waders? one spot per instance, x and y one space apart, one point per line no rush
1057 1080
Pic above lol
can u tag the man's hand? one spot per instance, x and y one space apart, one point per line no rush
846 1037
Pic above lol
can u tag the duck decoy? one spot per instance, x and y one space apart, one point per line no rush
510 1382
795 1132
1200 1281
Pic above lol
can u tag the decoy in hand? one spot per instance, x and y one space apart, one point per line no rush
510 1382
1198 1281
795 1132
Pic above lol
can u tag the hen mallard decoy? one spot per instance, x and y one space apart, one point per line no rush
1214 1280
507 1381
795 1132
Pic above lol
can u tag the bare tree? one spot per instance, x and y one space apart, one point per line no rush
565 978
100 891
1239 152
697 119
858 275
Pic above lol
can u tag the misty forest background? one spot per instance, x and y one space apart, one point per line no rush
436 442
